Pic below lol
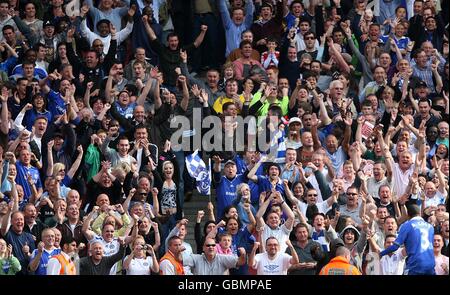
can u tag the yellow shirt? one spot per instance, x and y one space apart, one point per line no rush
218 104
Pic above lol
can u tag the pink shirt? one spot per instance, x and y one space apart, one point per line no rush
223 251
440 260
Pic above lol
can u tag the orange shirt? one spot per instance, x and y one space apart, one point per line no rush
67 266
339 266
179 270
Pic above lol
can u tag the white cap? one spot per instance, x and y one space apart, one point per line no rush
293 120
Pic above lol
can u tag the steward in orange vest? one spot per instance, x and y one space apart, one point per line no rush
178 266
62 264
340 265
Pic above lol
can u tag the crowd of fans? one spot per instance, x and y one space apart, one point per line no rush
343 168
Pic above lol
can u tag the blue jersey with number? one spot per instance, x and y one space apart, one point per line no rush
417 236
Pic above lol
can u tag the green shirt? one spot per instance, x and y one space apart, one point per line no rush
264 109
14 266
92 158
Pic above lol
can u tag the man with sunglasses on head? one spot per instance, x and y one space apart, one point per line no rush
212 263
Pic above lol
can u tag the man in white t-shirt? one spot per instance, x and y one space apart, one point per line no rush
271 227
393 263
273 261
311 199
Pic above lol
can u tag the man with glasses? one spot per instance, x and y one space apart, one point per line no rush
211 263
310 45
352 206
311 199
273 261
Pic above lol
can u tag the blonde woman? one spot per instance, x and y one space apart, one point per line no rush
58 170
138 262
9 265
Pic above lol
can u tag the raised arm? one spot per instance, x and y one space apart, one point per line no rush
289 223
210 208
249 10
251 256
148 28
77 162
89 234
145 91
185 101
386 153
198 41
226 19
323 109
338 57
252 224
262 209
294 259
252 173
288 192
50 158
4 127
348 120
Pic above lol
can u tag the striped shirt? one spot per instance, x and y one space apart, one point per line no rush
424 74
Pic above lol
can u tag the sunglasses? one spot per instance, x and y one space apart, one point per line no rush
352 194
312 195
309 38
210 245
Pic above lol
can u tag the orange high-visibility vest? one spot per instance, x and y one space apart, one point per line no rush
179 270
339 266
67 266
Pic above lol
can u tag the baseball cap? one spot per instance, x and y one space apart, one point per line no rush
422 84
230 162
48 23
294 120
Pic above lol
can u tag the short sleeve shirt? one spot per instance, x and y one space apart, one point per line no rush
278 266
218 266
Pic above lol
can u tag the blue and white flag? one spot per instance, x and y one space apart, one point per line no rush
197 170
